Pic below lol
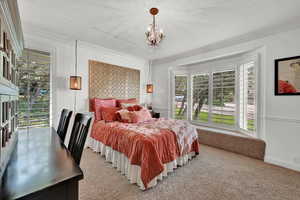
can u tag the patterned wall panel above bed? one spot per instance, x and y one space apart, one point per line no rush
106 81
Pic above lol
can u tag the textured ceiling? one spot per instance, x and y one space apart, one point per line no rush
188 24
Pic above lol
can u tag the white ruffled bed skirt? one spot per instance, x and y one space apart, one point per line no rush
133 172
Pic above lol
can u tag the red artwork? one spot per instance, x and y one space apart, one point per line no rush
287 76
286 87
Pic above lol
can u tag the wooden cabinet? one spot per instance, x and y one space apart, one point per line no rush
11 45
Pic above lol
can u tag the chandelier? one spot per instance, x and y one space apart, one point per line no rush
154 34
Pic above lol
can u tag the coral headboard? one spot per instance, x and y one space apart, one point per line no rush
106 81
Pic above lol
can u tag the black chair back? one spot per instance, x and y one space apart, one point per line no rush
64 124
78 136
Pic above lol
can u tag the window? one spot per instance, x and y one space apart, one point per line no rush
222 97
200 97
180 101
34 89
223 100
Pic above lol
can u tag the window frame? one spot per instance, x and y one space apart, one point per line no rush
210 67
256 121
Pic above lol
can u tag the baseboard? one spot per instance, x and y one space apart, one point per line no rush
282 163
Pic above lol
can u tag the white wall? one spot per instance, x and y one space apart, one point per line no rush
63 65
280 115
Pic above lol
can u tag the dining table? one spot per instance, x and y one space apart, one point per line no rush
40 168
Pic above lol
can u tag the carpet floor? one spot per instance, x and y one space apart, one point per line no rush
213 175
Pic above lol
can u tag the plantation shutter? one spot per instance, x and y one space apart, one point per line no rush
247 96
180 101
223 98
200 90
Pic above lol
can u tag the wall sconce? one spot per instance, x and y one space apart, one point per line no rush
75 82
149 88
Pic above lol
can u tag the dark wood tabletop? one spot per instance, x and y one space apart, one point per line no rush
39 161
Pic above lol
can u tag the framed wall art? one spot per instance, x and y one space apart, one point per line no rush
287 76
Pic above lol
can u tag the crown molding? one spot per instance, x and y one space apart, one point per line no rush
289 25
11 15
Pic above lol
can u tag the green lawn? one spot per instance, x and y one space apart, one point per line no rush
218 118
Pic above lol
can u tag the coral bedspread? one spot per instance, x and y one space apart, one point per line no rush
149 144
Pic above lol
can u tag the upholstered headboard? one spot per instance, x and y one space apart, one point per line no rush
106 81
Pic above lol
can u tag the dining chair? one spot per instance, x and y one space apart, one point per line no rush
64 123
78 135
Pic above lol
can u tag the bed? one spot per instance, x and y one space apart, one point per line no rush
144 151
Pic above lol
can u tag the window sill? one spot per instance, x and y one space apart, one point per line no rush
222 130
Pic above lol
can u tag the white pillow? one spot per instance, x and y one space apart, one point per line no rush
125 105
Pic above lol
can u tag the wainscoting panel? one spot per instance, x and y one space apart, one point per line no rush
106 81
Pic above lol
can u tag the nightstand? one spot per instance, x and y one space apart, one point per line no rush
155 115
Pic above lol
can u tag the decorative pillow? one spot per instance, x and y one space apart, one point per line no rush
140 116
137 107
109 114
96 104
124 116
95 101
132 100
131 106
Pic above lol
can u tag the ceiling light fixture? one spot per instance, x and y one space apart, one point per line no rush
154 34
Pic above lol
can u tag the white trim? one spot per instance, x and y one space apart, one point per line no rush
283 119
278 162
